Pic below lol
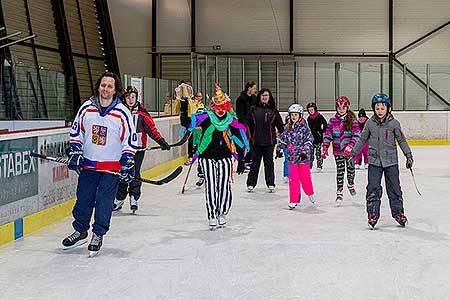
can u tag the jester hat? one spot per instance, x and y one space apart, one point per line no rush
220 100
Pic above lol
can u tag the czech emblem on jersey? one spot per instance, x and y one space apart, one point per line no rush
99 134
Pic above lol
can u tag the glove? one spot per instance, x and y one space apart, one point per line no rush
241 167
324 152
278 154
75 159
348 150
409 161
164 145
127 171
303 156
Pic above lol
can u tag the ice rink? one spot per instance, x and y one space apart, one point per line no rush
266 251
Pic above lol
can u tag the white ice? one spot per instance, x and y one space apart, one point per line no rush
266 251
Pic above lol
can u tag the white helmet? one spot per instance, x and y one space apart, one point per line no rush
295 108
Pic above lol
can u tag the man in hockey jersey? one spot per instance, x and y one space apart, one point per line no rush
102 139
144 125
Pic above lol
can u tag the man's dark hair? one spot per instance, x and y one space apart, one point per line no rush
248 85
117 83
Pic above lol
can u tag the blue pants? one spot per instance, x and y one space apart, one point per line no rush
285 163
95 190
374 190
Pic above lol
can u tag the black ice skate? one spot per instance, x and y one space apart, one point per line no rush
133 204
95 244
118 204
75 239
200 181
372 221
401 219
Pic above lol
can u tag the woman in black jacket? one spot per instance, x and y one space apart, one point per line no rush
263 120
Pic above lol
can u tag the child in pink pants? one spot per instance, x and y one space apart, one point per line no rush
362 119
297 139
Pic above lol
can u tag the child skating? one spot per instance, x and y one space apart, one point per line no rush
364 153
343 131
318 125
382 131
297 139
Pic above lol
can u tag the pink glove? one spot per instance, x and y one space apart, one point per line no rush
324 152
348 150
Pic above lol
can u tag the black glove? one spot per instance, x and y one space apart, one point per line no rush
241 167
409 161
164 145
127 171
303 156
75 159
278 154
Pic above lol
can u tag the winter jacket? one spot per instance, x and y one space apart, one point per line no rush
317 124
145 125
262 121
297 141
382 137
243 104
340 137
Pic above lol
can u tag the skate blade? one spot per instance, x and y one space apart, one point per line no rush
79 243
93 253
339 203
212 228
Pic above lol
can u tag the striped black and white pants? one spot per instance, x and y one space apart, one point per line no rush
217 185
341 162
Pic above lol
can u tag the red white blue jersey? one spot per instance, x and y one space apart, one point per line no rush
104 134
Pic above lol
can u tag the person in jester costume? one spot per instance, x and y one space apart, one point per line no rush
221 135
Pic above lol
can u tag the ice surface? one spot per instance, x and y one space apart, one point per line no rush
265 252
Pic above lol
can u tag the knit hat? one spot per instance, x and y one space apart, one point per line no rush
362 113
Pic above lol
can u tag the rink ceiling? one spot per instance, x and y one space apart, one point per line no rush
266 251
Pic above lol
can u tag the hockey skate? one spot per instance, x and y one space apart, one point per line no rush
357 167
200 181
212 224
285 179
312 199
339 197
250 188
222 221
271 188
133 204
401 219
292 205
75 239
95 244
352 189
118 204
372 221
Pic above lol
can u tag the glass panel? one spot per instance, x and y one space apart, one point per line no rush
416 93
348 83
398 87
325 74
439 81
268 77
370 82
236 84
222 73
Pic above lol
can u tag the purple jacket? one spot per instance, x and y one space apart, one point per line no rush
340 137
297 141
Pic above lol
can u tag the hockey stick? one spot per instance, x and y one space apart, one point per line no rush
179 143
164 180
185 180
414 180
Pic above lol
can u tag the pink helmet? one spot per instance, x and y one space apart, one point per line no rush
342 101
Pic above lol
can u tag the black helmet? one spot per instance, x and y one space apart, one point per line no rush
130 89
313 105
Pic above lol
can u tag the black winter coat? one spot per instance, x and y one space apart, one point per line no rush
262 121
243 105
318 126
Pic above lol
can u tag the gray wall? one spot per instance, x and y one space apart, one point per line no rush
343 26
132 24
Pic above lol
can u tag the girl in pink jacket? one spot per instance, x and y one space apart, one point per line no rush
343 130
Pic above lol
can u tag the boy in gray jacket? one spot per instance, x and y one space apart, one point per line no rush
382 131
